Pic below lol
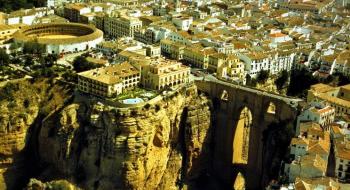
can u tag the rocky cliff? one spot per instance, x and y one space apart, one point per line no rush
157 146
163 145
22 103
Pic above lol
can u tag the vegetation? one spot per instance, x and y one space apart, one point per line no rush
50 59
81 64
11 5
70 76
157 108
7 91
4 58
147 106
300 82
262 77
281 80
250 81
342 79
33 48
46 72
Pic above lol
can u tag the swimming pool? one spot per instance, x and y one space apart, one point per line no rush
132 101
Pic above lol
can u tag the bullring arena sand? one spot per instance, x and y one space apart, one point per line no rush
57 36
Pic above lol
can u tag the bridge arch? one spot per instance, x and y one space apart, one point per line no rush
239 182
241 137
224 95
271 108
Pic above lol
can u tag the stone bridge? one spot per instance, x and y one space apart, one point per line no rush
242 114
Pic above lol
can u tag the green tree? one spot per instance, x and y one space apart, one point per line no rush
50 59
15 46
262 77
33 48
11 5
28 61
4 57
282 79
81 64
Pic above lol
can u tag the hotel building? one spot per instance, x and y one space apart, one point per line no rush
161 73
110 80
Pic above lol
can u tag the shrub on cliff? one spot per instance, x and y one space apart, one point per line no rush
157 108
7 91
147 106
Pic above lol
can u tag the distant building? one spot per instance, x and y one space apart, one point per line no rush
310 151
341 64
255 62
318 183
26 16
174 50
342 159
198 56
122 26
110 80
318 113
309 166
161 73
337 97
122 44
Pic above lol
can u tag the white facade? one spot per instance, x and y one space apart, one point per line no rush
63 48
255 63
281 61
322 115
183 23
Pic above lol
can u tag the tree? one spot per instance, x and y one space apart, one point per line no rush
50 59
28 61
4 57
263 75
250 81
10 5
342 79
81 64
33 48
281 79
300 81
15 46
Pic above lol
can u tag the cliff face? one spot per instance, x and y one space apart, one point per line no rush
158 146
21 104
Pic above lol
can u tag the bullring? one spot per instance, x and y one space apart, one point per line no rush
61 37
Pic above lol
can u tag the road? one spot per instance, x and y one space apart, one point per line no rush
68 59
208 77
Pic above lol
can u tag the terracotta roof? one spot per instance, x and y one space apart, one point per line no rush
299 141
341 151
111 74
277 35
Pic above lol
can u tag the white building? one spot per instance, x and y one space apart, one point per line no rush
318 113
182 22
110 80
255 62
342 64
281 60
342 159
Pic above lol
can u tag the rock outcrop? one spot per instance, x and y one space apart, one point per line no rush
157 146
22 103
